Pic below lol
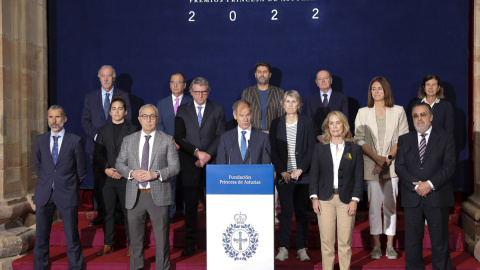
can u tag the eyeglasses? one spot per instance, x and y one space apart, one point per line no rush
146 116
198 93
176 82
422 114
324 78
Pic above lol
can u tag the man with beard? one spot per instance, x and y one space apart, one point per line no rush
425 162
95 115
266 104
59 160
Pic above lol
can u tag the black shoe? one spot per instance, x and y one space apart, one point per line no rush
96 221
188 251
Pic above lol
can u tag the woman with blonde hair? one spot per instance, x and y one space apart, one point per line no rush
336 186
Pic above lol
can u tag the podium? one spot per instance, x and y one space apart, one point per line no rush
240 217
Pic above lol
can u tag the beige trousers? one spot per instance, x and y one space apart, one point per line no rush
334 217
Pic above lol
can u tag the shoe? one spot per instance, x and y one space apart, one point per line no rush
128 251
96 221
391 253
277 221
376 253
302 255
105 250
188 251
282 254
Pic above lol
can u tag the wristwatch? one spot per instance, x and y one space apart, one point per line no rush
158 174
390 157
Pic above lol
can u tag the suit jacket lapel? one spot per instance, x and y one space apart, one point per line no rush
346 151
193 112
432 141
45 145
136 151
118 143
413 139
63 147
389 127
253 139
372 118
207 112
156 147
100 103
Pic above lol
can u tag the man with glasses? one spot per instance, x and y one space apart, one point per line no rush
148 159
167 110
319 105
425 162
95 114
198 126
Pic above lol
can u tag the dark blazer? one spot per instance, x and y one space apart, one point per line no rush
68 174
313 108
166 114
258 151
304 145
189 136
442 115
106 149
350 172
438 166
93 116
274 105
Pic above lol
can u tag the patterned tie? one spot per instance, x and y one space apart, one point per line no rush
423 146
199 116
145 154
176 106
243 146
325 100
55 153
106 105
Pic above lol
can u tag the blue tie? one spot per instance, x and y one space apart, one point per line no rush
243 146
199 116
106 105
55 153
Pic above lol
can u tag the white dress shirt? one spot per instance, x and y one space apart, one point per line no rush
60 140
247 136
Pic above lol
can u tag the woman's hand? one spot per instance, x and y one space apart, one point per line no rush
377 169
296 174
286 177
317 207
352 208
381 161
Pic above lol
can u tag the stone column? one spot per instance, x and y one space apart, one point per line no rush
23 105
471 207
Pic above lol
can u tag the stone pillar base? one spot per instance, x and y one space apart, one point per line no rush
471 224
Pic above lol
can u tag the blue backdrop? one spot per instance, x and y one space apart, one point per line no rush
148 40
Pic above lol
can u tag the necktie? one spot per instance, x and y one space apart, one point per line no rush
325 100
55 153
199 116
423 146
106 105
176 106
145 154
243 145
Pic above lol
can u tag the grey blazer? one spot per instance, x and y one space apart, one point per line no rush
164 158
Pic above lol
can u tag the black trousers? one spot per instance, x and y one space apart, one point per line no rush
112 190
191 196
437 220
293 198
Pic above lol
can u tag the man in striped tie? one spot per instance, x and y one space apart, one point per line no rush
425 162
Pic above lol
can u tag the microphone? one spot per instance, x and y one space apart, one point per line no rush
229 155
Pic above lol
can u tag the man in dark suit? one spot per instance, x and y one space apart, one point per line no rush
198 126
167 110
95 115
319 105
59 159
148 159
107 149
425 162
244 144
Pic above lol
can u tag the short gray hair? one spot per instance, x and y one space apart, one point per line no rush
200 81
293 94
107 66
237 103
148 105
56 107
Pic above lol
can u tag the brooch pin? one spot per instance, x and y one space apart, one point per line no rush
348 156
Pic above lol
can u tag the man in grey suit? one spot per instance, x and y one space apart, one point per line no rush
167 110
148 159
243 144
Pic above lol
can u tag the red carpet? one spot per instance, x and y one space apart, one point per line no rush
92 240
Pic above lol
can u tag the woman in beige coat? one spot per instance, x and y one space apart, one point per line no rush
377 128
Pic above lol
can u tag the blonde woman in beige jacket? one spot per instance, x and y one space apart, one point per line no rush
377 128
